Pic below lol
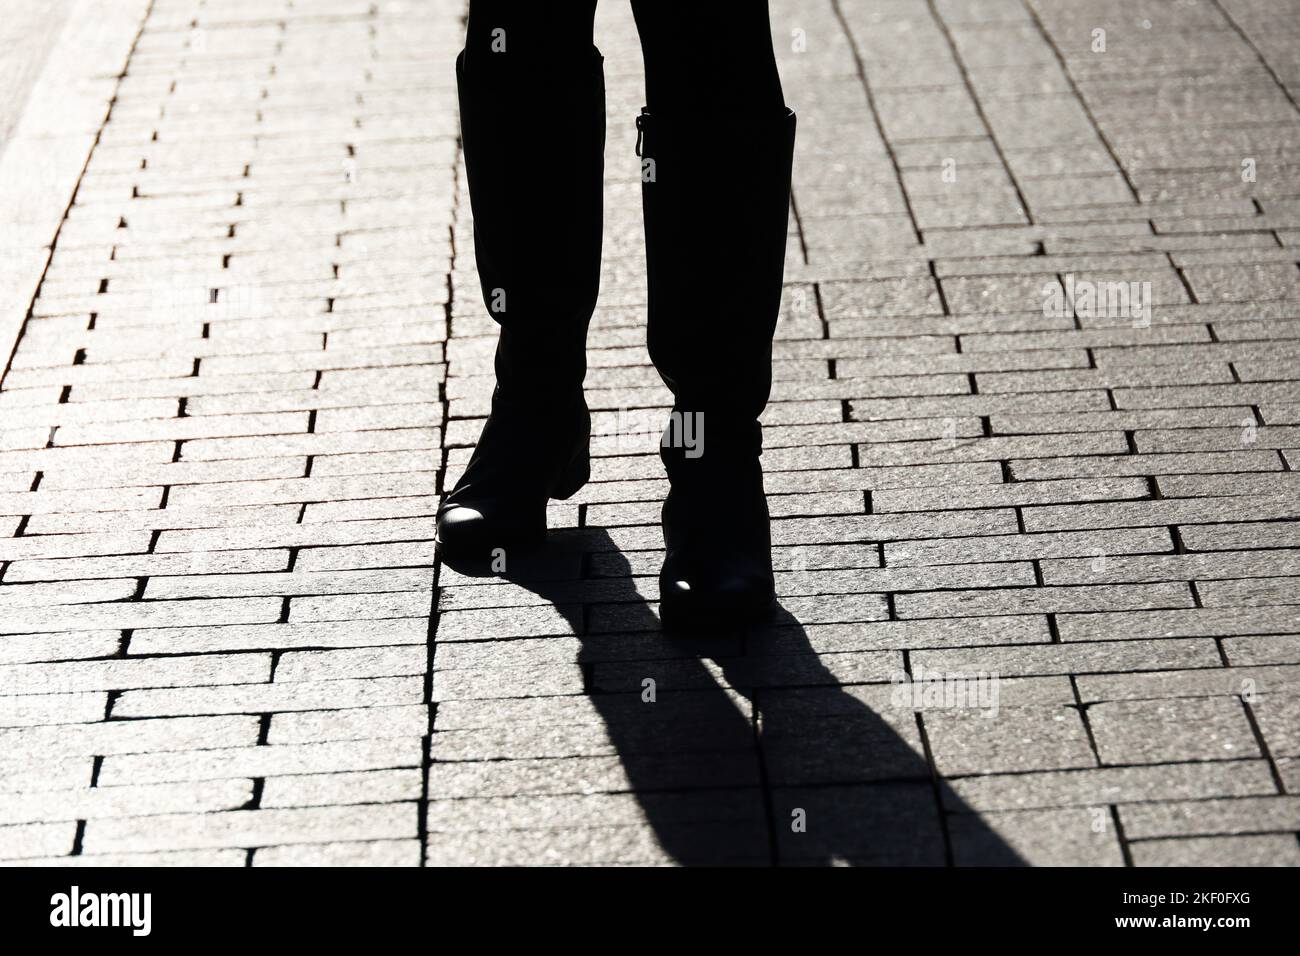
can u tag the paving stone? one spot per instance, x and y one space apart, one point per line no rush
991 449
180 429
591 774
98 803
367 662
267 698
1007 739
1135 625
357 853
1232 681
283 636
341 532
1132 732
368 786
582 709
359 607
135 736
1018 493
68 677
289 583
1100 657
35 710
251 828
1276 716
58 646
1280 590
872 825
1168 511
352 557
699 843
37 840
170 518
46 502
1210 817
1191 486
1263 850
1263 649
1232 536
348 724
1165 567
1040 600
61 773
1078 836
132 614
850 743
1038 469
114 860
540 813
1113 785
175 473
255 761
1289 770
73 545
1021 547
71 592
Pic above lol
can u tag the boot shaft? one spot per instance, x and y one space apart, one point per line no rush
716 199
533 145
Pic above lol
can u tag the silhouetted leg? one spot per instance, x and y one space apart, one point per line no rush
533 128
708 59
717 145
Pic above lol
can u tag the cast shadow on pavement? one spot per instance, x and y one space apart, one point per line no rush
743 747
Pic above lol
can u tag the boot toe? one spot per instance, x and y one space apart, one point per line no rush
466 530
727 593
461 528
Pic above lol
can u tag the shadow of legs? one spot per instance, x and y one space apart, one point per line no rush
745 747
844 763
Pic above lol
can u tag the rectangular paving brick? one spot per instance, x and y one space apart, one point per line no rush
1102 657
243 828
1028 546
37 710
1210 817
1133 732
1262 850
258 761
1047 837
130 736
388 853
128 801
1114 597
1013 739
1114 785
180 671
1213 622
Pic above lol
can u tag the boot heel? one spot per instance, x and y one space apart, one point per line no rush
574 476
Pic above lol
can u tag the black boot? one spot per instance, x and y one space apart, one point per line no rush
716 196
534 137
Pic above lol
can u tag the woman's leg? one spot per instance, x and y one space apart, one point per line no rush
708 59
532 123
533 128
552 36
717 145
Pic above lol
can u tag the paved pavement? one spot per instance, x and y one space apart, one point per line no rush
27 32
1037 551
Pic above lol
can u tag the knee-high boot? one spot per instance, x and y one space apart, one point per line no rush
716 202
533 140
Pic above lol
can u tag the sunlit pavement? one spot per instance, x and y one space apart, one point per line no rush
1030 452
